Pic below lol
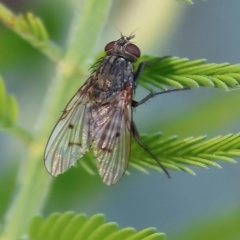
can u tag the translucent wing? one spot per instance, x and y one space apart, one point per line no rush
70 138
111 134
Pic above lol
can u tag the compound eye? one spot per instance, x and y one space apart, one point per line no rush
109 46
133 49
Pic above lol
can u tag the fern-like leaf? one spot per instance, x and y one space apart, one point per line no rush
71 226
180 72
177 155
31 29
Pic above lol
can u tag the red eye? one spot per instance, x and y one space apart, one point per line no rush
109 46
133 49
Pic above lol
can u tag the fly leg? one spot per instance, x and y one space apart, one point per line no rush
137 137
142 65
151 95
136 104
139 71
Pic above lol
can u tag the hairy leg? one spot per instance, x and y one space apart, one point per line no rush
137 137
151 95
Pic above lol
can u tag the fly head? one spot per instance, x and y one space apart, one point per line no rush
123 48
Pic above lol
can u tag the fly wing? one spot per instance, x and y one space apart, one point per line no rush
111 134
70 138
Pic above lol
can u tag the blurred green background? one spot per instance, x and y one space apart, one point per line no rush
208 203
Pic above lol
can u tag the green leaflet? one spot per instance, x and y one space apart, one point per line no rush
78 226
177 154
178 73
9 116
196 152
8 108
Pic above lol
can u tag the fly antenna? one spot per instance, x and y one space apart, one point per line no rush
118 30
131 36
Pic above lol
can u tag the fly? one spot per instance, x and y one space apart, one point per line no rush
100 116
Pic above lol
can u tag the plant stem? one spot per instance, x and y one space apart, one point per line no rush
24 136
34 182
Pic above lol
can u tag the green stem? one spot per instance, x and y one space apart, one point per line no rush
34 182
87 32
20 133
24 26
50 49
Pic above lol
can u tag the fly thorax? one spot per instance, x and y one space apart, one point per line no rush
113 74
